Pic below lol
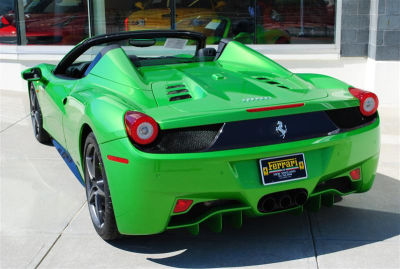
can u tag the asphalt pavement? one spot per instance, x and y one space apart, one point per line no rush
45 221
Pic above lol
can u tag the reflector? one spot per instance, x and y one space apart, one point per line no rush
117 159
182 205
355 174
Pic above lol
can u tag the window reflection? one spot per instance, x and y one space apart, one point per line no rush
65 22
60 22
306 21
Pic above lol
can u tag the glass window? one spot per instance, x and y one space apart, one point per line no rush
51 22
306 21
150 14
65 22
8 32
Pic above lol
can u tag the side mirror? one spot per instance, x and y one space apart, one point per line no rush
139 5
32 74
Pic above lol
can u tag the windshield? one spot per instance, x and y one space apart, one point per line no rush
150 52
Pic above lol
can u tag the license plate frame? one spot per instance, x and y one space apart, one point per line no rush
287 168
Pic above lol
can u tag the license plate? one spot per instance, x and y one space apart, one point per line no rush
283 168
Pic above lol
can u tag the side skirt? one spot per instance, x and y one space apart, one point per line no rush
68 160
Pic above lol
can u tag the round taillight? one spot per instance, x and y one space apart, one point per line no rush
142 129
368 101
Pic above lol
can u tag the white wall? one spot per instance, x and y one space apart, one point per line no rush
381 77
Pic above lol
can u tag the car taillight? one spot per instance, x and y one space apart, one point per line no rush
126 24
4 21
142 129
368 101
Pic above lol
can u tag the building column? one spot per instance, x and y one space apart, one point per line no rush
355 24
384 33
99 17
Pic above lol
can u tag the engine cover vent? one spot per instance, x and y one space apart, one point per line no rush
180 97
178 91
271 82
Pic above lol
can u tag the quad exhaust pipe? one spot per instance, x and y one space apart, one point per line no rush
301 197
282 200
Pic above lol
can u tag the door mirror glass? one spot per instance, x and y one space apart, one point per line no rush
32 74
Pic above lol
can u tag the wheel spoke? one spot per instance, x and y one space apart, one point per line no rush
101 192
99 208
101 216
96 205
96 165
37 119
95 185
32 100
92 193
100 184
90 166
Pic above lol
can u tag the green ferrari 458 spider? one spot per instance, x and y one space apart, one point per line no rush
167 133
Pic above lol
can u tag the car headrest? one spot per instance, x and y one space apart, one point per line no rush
206 52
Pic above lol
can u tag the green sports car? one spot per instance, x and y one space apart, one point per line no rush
166 133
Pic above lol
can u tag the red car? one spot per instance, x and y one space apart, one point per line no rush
318 16
48 22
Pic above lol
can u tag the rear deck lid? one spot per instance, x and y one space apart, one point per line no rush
207 87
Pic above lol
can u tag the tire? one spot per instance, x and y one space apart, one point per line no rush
36 116
97 191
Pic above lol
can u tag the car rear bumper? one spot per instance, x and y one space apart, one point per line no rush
145 190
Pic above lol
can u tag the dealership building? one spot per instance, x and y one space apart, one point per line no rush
357 41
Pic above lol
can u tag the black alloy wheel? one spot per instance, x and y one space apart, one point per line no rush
97 191
36 116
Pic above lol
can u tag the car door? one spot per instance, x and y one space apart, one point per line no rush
53 97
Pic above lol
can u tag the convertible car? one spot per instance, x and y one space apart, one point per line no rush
166 133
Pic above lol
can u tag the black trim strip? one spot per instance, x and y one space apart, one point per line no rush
258 132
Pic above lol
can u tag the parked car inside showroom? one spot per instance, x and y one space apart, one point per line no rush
48 22
215 19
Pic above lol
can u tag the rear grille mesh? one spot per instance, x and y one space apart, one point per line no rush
184 140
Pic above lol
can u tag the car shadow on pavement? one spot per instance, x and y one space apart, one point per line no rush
357 220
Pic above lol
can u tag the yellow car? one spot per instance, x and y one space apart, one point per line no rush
215 19
156 14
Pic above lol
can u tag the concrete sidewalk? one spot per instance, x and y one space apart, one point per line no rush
45 221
